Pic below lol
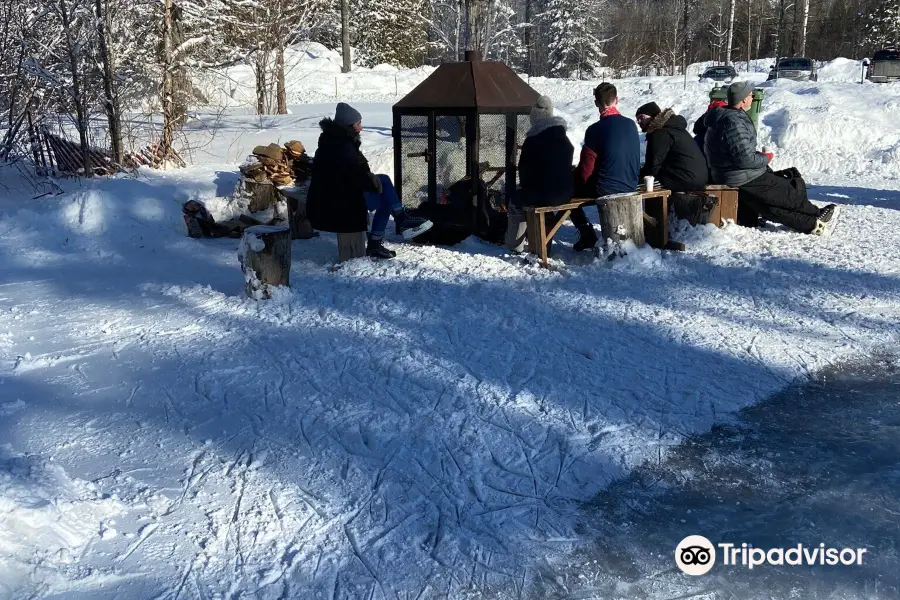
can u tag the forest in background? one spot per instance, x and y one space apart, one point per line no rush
85 58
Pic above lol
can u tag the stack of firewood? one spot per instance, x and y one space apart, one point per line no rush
274 164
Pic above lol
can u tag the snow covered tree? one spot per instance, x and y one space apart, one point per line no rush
390 31
884 25
262 30
505 43
575 48
110 96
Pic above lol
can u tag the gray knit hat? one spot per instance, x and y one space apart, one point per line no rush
346 115
542 109
737 91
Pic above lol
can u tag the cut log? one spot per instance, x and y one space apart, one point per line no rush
697 208
262 195
301 228
621 219
265 256
351 245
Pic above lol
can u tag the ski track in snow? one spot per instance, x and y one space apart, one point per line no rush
426 427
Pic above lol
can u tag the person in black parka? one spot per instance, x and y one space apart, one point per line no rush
700 124
343 189
673 156
545 170
734 161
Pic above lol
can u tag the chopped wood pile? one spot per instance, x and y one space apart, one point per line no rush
256 197
277 165
67 158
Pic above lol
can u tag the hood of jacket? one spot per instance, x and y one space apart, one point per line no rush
338 133
543 125
667 119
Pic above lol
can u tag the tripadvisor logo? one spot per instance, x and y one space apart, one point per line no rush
696 555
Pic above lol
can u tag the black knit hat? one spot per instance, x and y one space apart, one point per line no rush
650 109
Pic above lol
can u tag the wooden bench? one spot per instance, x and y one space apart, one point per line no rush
656 222
728 204
691 205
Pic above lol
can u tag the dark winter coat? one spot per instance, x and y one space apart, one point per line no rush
700 130
673 156
545 165
340 177
730 148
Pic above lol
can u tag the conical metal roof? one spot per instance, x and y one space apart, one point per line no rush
482 85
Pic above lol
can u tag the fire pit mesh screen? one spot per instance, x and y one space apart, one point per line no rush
492 152
414 157
450 152
523 124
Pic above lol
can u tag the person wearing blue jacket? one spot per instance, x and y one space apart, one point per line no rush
610 160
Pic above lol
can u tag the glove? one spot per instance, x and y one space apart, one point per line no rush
769 155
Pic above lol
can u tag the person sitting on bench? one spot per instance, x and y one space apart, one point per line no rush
673 156
610 160
342 188
545 170
700 124
733 160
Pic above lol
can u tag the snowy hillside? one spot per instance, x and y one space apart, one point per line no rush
427 427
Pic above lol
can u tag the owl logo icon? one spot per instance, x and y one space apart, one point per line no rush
695 555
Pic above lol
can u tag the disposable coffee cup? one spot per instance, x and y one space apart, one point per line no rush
648 183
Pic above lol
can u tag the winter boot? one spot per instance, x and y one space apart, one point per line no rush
587 238
376 249
409 227
828 216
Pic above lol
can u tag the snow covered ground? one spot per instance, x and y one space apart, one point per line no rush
424 427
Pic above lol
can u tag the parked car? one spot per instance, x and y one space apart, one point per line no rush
720 73
884 66
796 68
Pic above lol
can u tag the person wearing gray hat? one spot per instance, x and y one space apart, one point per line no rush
346 115
738 92
544 171
730 147
343 189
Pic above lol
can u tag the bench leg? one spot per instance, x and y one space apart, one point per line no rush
542 240
658 234
531 230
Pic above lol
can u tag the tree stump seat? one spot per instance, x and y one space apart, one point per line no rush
265 257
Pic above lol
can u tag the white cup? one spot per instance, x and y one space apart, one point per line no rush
648 183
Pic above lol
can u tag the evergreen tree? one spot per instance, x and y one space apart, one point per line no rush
883 28
506 43
575 49
390 31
